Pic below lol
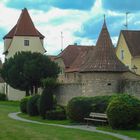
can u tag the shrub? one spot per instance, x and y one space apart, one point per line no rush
124 112
32 109
79 107
47 101
100 103
3 97
57 114
23 104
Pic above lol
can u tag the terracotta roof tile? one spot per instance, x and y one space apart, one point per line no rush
69 55
103 58
132 39
81 59
24 27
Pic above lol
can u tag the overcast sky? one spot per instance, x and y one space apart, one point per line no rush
79 20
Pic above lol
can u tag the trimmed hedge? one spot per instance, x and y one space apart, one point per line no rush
124 112
79 107
57 114
3 97
32 108
100 103
46 102
23 104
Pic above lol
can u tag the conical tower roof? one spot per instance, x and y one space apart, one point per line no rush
24 27
104 59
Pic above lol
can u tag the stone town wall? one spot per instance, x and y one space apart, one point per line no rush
96 84
132 87
66 92
99 84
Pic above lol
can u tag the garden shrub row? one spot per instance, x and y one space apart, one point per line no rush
123 110
79 107
31 106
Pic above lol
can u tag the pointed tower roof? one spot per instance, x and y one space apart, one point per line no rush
24 27
104 59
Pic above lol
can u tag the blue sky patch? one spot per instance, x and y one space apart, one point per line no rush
123 5
46 4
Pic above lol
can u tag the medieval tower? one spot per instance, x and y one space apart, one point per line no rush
22 37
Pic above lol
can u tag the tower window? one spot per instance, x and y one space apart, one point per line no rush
122 54
26 42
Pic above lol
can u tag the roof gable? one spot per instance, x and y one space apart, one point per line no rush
132 39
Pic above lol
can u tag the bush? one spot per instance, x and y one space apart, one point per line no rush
100 103
124 112
58 114
32 109
46 102
79 107
3 97
23 104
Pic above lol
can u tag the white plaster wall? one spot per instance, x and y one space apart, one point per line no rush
17 45
14 94
2 88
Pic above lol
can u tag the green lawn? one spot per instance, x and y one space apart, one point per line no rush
16 130
130 133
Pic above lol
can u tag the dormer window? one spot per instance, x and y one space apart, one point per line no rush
122 54
26 42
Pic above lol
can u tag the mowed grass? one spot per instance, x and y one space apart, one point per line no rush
16 130
130 133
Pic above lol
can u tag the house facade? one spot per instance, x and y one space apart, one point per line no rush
22 37
128 49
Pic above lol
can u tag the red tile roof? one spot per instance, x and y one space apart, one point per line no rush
81 59
24 27
132 39
103 58
74 56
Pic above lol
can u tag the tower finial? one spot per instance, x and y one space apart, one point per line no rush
104 24
104 18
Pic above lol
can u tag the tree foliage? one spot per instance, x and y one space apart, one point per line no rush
25 70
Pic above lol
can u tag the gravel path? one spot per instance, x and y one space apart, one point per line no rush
81 127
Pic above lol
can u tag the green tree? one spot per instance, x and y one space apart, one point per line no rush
25 71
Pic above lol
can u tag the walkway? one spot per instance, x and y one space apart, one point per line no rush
81 127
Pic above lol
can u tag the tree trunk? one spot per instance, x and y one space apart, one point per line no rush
32 90
27 92
36 89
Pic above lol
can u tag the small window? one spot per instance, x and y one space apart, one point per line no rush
26 42
109 84
122 54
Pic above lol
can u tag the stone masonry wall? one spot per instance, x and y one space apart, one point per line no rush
66 92
98 84
132 87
